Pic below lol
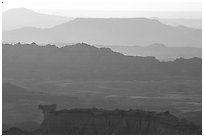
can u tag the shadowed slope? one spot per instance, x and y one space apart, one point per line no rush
82 61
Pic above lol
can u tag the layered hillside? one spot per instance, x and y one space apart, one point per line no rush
113 31
83 61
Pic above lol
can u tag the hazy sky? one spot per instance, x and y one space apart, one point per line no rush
111 8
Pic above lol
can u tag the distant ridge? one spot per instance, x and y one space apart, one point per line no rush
159 51
192 23
112 31
22 17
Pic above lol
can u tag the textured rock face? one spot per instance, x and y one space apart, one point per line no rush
99 121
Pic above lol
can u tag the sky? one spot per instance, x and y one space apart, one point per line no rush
111 8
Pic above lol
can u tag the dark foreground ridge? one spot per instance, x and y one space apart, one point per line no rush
106 122
83 61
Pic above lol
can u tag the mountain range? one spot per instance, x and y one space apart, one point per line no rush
83 61
22 17
192 23
62 76
159 51
109 31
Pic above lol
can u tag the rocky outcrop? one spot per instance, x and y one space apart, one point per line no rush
99 122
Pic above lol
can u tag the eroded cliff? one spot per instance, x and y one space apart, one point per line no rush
99 121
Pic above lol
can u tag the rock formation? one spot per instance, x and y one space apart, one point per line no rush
100 122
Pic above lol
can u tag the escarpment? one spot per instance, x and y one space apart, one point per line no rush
99 121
